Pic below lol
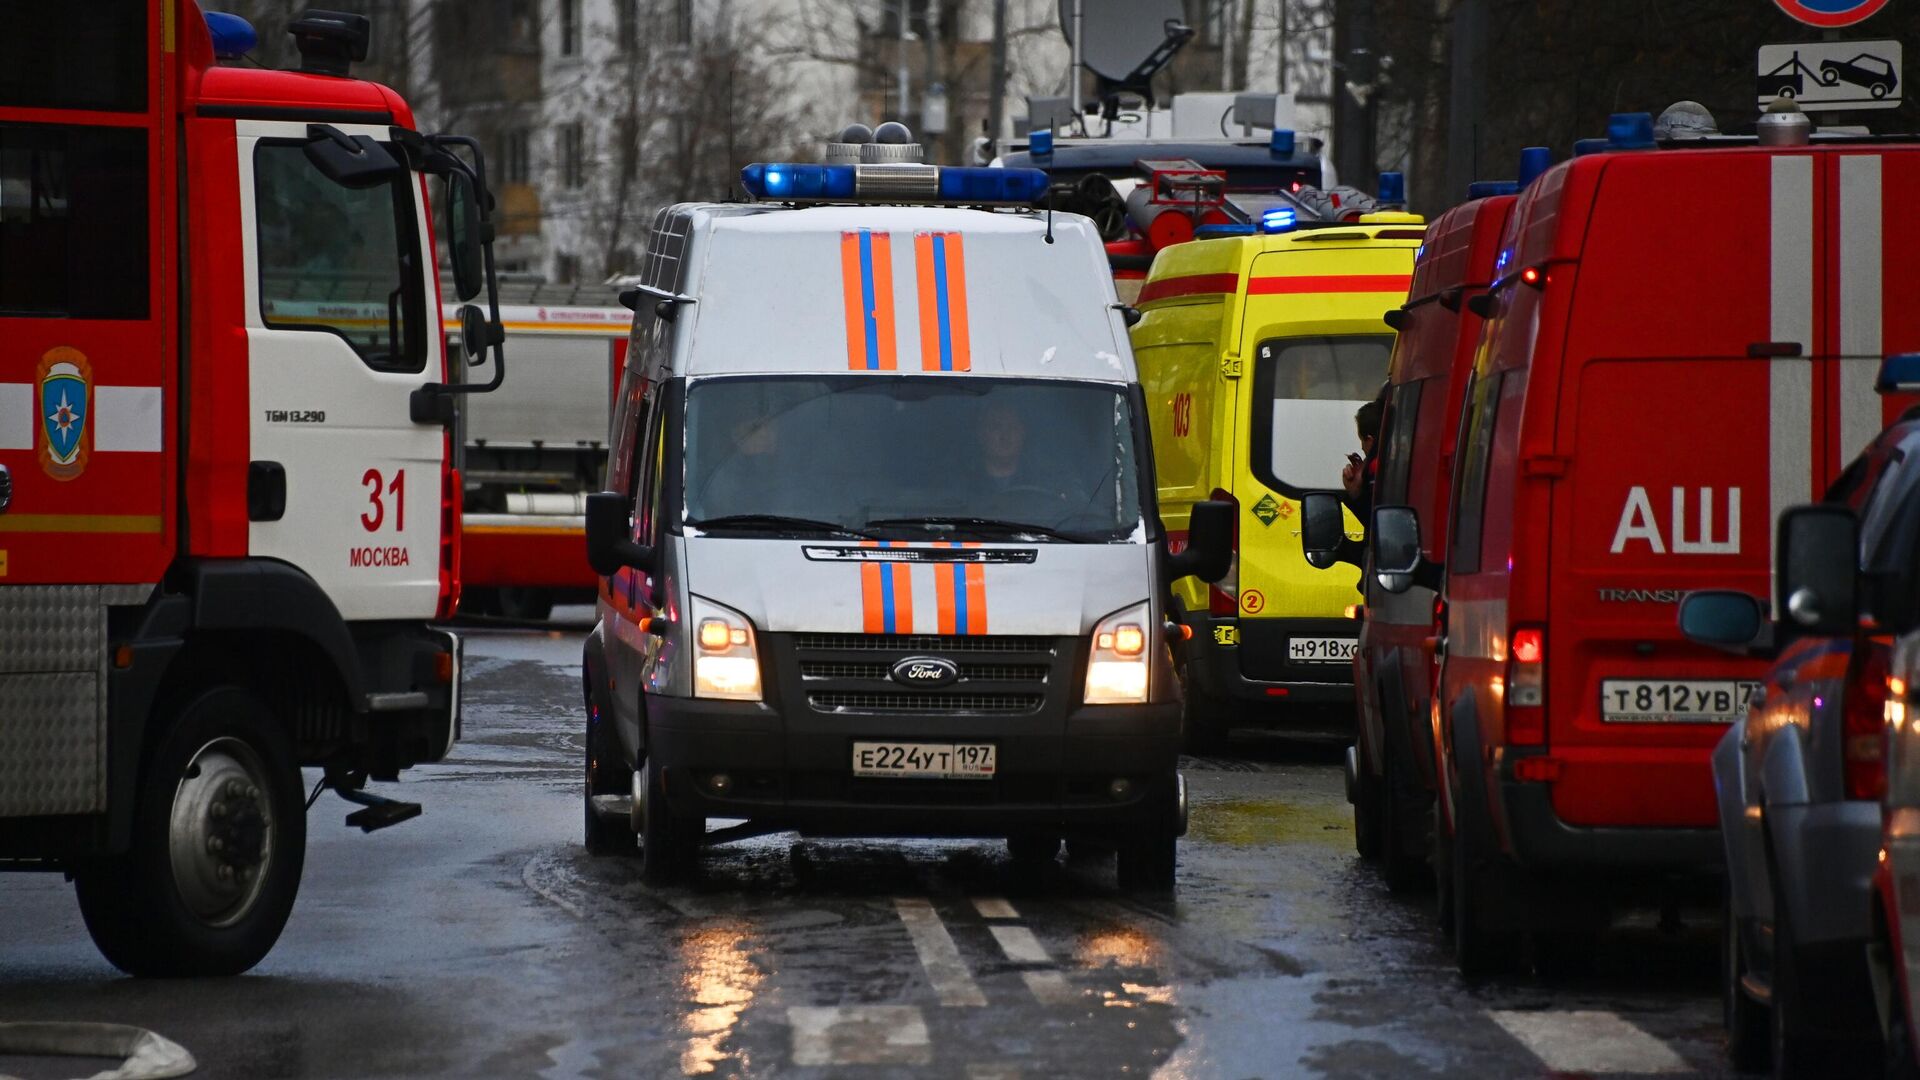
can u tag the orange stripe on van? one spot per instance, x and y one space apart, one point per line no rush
902 597
855 307
976 576
1329 283
883 298
873 615
959 348
929 303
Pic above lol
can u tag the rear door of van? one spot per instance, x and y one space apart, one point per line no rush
1697 401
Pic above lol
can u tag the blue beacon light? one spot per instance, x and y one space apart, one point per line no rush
233 36
1279 219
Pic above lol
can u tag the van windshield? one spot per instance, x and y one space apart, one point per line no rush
1306 390
912 456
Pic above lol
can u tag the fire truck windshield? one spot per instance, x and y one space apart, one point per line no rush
337 259
924 455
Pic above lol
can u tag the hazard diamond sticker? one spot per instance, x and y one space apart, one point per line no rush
1266 509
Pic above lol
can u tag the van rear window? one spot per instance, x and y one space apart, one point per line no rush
1305 392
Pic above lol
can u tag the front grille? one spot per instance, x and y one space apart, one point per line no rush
1000 675
912 644
905 702
875 671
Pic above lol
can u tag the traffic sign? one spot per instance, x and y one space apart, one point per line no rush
1832 74
1828 14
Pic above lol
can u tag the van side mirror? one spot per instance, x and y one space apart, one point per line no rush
464 245
1818 560
1323 528
1482 305
1209 551
1397 561
610 546
1723 618
1396 318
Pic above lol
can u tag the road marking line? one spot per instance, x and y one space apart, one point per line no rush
1051 988
992 907
938 954
1020 945
859 1035
1589 1043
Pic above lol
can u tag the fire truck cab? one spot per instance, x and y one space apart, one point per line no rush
227 503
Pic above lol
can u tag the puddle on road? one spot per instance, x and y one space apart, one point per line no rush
719 978
1252 822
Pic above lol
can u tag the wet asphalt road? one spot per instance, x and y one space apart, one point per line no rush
481 940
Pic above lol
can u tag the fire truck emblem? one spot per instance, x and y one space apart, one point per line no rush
66 383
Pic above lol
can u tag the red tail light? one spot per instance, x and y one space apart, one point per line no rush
1525 687
1223 596
1864 722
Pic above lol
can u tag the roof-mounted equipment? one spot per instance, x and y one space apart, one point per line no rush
331 42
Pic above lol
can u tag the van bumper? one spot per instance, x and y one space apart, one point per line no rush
1245 660
1538 838
801 777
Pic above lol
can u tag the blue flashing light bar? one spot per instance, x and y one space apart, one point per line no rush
233 36
1583 147
1630 131
1040 144
1280 143
985 184
1899 374
1279 219
1393 189
1534 160
1215 232
974 186
1481 189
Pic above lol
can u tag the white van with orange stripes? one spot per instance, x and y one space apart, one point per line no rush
881 554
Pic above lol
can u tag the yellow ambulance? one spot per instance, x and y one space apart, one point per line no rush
1255 351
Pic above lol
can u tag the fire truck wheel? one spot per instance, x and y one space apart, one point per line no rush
669 842
1403 860
219 838
531 604
1367 813
1478 949
607 774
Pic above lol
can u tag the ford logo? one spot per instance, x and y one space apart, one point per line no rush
926 671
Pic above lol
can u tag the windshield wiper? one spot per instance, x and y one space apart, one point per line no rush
776 523
942 523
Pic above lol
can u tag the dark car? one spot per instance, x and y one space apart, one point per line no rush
1873 73
1800 780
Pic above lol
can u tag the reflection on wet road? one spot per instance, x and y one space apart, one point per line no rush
482 940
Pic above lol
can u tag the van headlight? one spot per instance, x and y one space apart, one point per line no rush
1117 669
725 662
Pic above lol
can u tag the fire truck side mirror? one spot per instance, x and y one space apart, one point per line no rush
352 161
1397 562
476 333
610 545
464 244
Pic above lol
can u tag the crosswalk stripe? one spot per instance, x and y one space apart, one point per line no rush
859 1035
992 907
1050 988
1589 1042
948 973
1020 945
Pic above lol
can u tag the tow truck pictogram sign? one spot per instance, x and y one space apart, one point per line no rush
1832 74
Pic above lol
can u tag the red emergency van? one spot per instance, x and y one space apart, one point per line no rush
1390 767
1646 400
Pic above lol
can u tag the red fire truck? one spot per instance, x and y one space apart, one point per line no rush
227 503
